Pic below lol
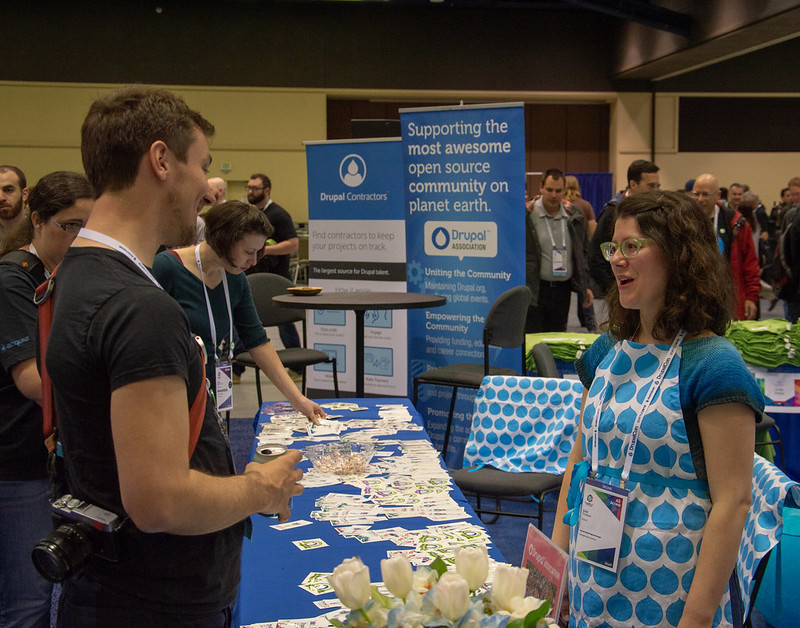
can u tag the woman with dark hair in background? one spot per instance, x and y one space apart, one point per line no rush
667 426
59 206
208 281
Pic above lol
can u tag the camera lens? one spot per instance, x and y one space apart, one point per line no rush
63 552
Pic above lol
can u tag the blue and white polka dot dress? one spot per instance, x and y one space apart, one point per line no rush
666 516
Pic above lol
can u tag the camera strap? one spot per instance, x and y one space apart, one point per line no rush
45 303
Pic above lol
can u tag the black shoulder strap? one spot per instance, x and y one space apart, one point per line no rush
27 261
725 229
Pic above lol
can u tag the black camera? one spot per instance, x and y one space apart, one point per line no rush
82 530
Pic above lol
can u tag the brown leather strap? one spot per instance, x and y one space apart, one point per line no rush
43 300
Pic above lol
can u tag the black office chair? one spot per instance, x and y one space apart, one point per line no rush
504 327
768 423
543 360
263 287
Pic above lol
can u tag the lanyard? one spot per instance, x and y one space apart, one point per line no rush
211 323
96 236
550 231
33 251
630 449
716 219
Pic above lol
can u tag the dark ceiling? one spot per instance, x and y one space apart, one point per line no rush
518 45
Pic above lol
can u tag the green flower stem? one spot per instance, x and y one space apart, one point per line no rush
364 613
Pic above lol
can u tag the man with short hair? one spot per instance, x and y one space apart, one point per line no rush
219 189
735 194
555 256
794 191
276 255
786 198
126 370
735 239
13 195
642 177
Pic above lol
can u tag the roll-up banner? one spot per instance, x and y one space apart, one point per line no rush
357 241
464 186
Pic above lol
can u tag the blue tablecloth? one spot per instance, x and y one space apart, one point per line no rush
272 567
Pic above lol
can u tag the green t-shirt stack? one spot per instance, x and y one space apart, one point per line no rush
565 346
767 343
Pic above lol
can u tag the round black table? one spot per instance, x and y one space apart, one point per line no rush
360 302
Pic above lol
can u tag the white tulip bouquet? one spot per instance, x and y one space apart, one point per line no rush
431 596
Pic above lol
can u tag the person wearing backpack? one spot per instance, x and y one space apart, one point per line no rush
735 241
59 206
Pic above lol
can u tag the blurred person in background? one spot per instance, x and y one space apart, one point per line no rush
59 207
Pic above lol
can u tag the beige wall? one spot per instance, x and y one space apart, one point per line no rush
766 173
258 130
263 130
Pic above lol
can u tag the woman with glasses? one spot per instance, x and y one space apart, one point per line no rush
664 455
59 205
208 281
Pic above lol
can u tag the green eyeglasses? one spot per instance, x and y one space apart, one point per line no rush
629 248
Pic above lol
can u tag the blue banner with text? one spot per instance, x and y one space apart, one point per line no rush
464 178
357 242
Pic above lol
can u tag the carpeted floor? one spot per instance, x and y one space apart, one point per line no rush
241 434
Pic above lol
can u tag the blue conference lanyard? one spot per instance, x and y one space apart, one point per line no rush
211 323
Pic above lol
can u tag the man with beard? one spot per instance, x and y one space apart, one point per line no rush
276 255
13 195
140 436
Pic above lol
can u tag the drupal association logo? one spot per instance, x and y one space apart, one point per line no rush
353 170
440 238
461 238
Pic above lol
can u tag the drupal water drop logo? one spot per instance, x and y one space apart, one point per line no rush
440 238
353 170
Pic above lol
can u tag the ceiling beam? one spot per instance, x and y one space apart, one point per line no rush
761 34
640 12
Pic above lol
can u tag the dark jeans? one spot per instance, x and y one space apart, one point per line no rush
24 521
85 604
289 336
792 309
552 311
586 314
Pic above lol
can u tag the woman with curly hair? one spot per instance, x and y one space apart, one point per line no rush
666 434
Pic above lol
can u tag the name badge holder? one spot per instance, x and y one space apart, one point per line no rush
223 369
559 256
603 506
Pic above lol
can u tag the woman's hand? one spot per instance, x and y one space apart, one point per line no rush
311 409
